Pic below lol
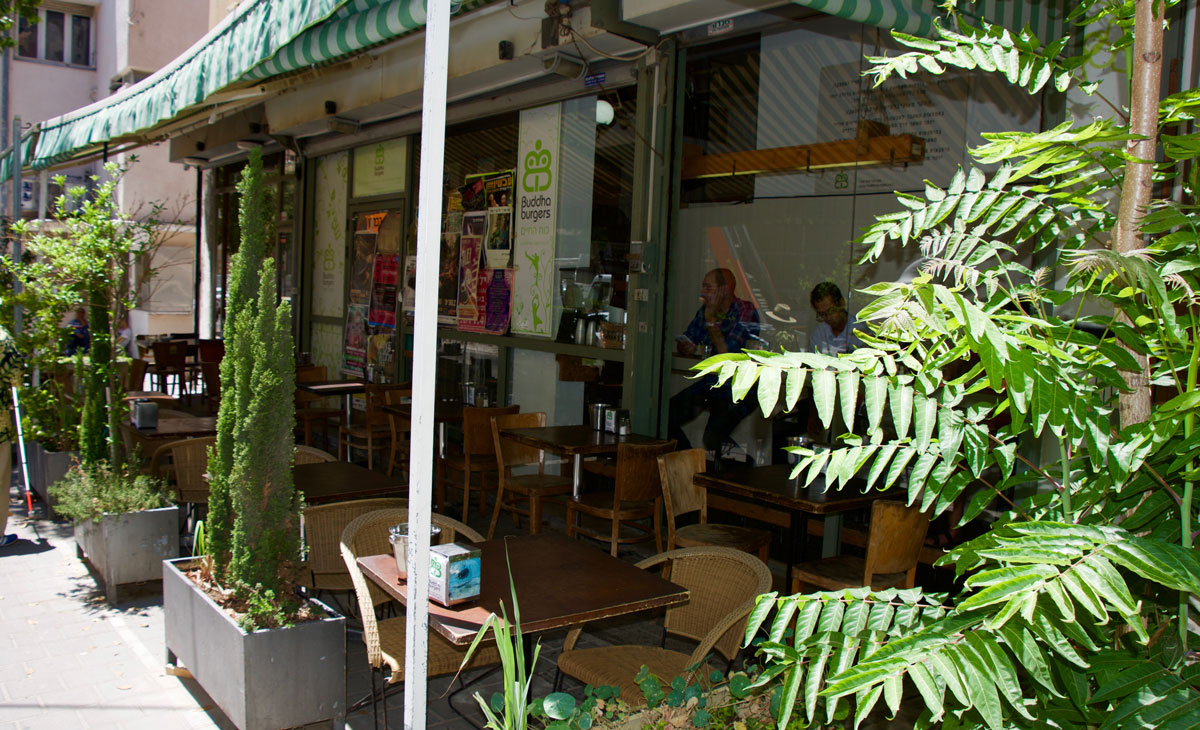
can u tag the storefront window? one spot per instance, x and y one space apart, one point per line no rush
766 204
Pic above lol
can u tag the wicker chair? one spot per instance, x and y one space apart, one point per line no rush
186 463
681 496
324 569
894 545
722 584
375 431
478 456
529 487
368 535
310 455
637 496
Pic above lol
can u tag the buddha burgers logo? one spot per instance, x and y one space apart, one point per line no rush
536 179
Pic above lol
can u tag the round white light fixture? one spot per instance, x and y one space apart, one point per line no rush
604 112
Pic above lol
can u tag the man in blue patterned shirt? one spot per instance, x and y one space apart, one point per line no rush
723 323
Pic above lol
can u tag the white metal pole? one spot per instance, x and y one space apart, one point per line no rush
420 478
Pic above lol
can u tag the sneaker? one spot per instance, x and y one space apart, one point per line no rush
8 539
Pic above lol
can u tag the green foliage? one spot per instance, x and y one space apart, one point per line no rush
87 494
83 259
1077 605
253 509
510 709
266 610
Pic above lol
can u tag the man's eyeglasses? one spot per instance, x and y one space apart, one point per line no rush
828 311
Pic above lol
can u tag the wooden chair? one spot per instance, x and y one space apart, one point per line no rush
637 496
310 455
894 544
478 455
400 428
681 496
136 377
368 535
210 372
170 359
529 487
722 584
185 464
309 412
323 568
374 433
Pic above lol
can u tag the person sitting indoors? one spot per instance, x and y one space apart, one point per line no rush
835 330
80 339
723 323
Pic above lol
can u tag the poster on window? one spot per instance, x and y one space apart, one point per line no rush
363 256
469 266
533 255
409 301
497 294
448 280
356 340
383 291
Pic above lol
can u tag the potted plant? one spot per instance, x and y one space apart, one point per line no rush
125 524
233 618
81 260
1056 292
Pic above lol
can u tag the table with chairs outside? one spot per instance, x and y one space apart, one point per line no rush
611 540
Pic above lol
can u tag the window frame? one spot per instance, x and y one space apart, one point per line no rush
68 37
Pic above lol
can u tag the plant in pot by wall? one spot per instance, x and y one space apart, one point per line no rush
278 665
1055 291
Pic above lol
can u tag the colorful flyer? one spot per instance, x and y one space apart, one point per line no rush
469 309
498 295
409 302
383 291
498 248
355 359
448 280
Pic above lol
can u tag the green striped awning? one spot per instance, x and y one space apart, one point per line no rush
259 40
1046 18
358 25
6 159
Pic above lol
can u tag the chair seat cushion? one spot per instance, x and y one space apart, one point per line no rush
444 657
618 665
539 483
746 539
842 571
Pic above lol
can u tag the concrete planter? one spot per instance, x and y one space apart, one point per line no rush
130 547
47 468
265 680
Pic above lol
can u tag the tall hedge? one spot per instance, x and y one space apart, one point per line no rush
253 509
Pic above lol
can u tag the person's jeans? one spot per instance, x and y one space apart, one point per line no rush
723 414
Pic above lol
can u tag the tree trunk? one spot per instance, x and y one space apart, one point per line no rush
1146 74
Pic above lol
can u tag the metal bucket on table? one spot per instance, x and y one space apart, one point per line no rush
398 537
596 413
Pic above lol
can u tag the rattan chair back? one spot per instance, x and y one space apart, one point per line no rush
311 455
637 471
722 586
187 460
323 528
368 535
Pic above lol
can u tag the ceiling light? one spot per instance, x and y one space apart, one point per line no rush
248 144
564 65
195 161
604 112
341 126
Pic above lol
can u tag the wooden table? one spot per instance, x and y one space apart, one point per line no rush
155 395
345 388
576 442
773 487
559 583
334 481
444 412
168 429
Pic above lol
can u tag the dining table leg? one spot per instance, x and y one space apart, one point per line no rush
577 477
349 406
441 428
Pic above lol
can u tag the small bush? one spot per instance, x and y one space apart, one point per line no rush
87 494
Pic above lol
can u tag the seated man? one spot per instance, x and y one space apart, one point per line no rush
723 323
834 333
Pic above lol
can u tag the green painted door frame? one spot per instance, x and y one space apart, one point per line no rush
655 169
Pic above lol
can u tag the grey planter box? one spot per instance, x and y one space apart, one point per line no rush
265 680
46 468
130 547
